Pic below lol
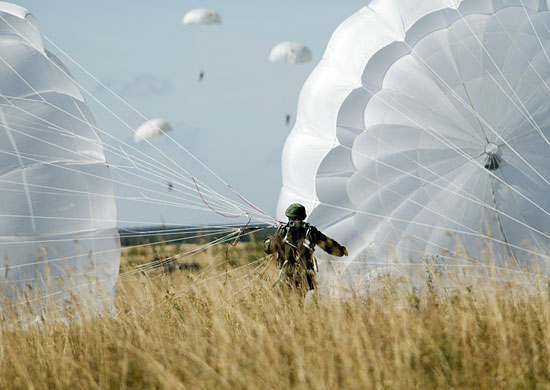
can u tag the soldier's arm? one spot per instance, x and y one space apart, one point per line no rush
329 245
274 243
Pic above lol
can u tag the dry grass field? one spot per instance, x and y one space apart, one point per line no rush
200 329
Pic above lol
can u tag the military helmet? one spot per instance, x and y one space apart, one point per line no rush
296 211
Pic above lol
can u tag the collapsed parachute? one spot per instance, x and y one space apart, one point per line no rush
151 129
424 134
201 16
58 229
290 53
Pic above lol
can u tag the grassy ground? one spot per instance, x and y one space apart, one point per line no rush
197 330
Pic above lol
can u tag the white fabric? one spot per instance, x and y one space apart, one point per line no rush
58 222
151 129
389 148
290 53
201 16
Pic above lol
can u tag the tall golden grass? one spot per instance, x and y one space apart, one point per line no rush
197 330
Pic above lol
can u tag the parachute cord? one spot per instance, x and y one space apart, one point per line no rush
208 205
232 244
251 205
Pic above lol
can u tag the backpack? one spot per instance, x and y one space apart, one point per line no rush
298 240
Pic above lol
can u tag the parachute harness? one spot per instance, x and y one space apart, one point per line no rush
294 245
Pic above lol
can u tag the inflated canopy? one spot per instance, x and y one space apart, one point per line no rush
152 129
424 134
58 222
202 16
290 53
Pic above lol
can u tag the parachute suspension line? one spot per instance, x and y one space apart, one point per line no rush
197 282
23 171
420 178
88 284
530 232
472 106
156 263
511 148
468 197
69 114
538 129
460 152
231 234
90 208
226 238
499 223
460 100
86 139
148 233
110 111
541 45
99 177
412 222
233 244
526 114
132 108
210 207
277 222
140 267
41 140
188 152
267 262
385 187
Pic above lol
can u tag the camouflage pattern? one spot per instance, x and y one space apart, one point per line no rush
296 212
294 243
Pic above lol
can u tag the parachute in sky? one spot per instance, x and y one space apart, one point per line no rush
202 16
152 129
424 134
290 53
58 222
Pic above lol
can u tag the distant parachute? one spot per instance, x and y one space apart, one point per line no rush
151 129
290 53
423 135
202 16
58 222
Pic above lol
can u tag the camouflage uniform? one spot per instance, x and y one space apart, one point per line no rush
294 242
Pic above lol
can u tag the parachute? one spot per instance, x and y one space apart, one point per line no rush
424 135
290 53
58 222
201 16
151 129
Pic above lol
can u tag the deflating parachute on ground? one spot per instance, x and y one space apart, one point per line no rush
424 133
58 229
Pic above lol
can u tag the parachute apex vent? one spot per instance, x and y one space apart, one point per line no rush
493 162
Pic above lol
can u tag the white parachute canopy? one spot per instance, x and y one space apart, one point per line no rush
290 53
58 222
151 129
424 134
202 16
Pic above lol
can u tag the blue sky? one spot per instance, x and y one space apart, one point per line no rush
234 120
